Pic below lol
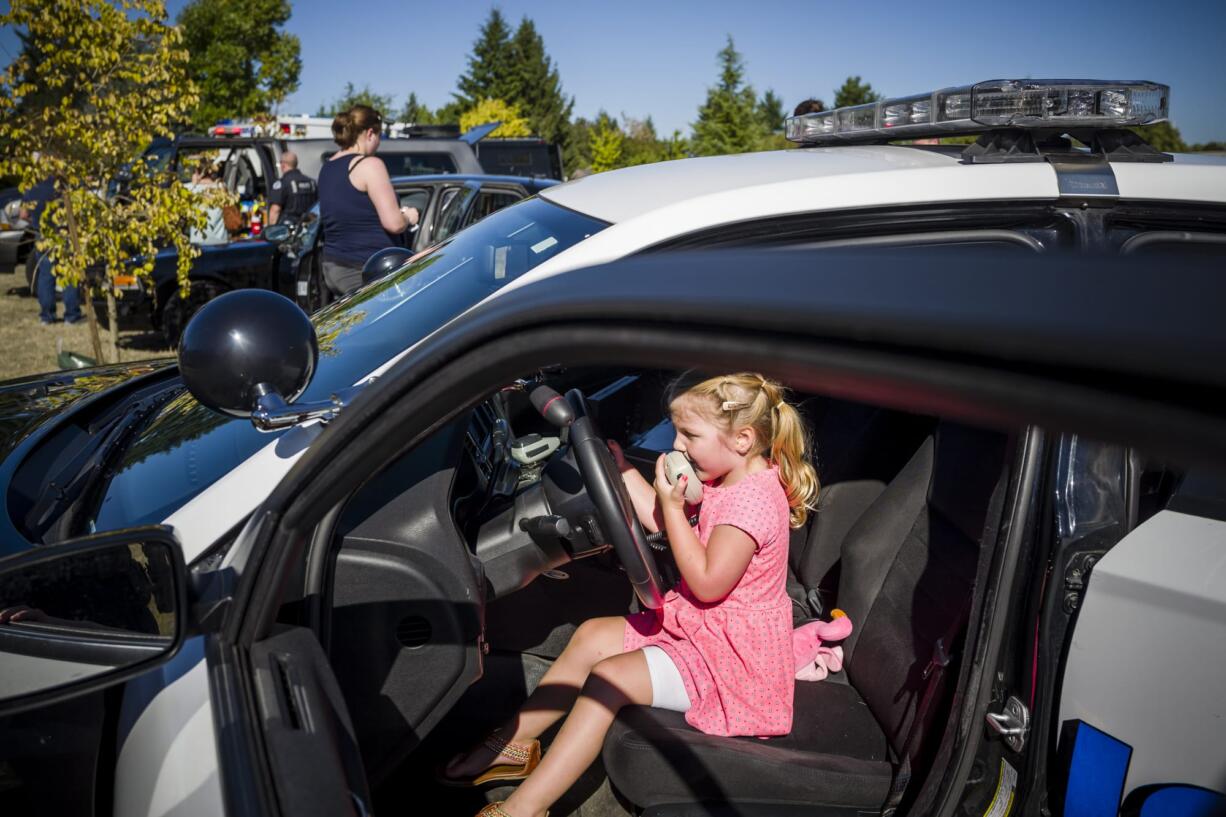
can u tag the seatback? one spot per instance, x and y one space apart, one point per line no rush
857 449
909 566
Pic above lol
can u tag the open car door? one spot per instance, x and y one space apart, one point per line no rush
1004 342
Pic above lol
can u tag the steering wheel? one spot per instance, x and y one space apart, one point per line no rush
607 491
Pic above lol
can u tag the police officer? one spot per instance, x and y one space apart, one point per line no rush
293 194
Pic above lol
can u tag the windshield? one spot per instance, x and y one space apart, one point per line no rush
186 447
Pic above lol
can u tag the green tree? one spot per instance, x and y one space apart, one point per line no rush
495 110
357 96
415 113
538 86
729 121
855 92
606 140
770 108
1163 136
491 72
78 116
242 62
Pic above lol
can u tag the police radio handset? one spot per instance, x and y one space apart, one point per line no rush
677 465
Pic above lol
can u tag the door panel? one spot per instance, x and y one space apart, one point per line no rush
309 737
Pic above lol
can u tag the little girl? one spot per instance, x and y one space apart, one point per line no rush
720 649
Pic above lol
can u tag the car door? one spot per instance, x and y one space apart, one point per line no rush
864 330
454 210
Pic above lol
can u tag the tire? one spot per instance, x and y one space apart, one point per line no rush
179 310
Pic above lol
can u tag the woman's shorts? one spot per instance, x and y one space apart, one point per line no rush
341 278
667 688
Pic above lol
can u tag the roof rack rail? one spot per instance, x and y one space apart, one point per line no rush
1008 145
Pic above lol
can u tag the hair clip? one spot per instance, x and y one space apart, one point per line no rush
731 405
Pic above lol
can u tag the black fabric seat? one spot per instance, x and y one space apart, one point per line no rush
908 569
857 449
835 755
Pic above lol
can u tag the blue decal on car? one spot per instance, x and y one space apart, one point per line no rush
1098 764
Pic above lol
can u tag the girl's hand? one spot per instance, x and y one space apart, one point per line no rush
671 496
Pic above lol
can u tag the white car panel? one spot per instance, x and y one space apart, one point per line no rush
661 217
1148 653
167 764
1191 177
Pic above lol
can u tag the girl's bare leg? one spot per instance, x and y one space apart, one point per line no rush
613 683
594 640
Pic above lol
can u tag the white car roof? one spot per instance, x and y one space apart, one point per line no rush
649 204
893 173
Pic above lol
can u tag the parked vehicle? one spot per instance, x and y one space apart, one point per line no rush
395 588
447 203
1098 384
287 260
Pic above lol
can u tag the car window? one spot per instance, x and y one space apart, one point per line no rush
411 164
185 447
489 201
414 197
451 213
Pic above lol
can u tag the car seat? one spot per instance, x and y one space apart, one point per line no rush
908 570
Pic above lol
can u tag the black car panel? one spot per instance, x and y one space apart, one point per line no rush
187 447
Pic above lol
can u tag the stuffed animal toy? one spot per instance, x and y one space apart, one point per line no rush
812 658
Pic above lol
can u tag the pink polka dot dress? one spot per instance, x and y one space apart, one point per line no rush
734 655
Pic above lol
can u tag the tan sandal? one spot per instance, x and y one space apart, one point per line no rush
496 810
526 757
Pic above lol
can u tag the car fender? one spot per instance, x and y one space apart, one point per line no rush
167 746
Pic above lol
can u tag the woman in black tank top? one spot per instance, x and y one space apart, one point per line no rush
357 204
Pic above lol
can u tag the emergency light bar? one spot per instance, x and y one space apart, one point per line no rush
998 103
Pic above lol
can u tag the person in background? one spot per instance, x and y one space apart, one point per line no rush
809 106
294 194
33 203
357 204
207 177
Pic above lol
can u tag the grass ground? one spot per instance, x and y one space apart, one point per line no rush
28 347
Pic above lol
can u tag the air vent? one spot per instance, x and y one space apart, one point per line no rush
413 632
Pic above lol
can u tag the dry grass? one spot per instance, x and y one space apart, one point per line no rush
28 347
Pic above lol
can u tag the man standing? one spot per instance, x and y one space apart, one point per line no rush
35 200
293 194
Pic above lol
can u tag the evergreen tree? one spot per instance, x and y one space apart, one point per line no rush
770 108
855 92
241 61
415 113
357 96
491 71
578 152
538 86
729 121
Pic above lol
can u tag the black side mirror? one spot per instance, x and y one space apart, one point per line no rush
82 615
384 261
246 350
277 233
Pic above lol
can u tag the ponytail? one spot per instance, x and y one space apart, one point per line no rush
749 399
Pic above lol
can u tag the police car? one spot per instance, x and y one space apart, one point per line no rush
1043 419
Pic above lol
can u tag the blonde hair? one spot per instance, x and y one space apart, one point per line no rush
750 400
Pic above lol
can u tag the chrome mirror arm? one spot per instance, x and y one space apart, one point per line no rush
272 413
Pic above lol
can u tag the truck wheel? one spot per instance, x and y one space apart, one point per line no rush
179 310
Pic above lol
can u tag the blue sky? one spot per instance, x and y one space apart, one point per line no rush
658 58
